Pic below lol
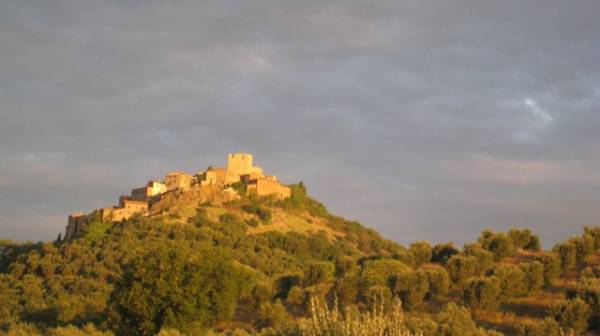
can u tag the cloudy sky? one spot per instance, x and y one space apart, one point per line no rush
422 119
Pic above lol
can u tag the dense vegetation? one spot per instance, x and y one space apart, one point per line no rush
145 276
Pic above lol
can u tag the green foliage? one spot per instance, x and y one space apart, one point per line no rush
483 292
439 281
255 208
271 315
511 280
545 327
524 239
485 259
421 252
593 232
567 253
499 244
534 277
382 272
571 314
95 231
588 290
551 266
461 267
241 187
456 321
169 287
300 200
318 272
442 252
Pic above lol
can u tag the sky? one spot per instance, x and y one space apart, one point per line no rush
425 120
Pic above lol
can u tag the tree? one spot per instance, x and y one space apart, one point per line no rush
485 259
534 276
442 252
483 292
571 314
567 253
271 315
456 321
497 243
588 290
318 272
545 327
511 279
421 252
551 265
461 268
174 286
595 234
439 281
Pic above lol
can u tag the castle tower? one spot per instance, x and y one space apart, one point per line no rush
240 163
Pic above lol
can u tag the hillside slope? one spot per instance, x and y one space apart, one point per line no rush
209 259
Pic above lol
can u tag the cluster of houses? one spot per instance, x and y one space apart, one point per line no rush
240 168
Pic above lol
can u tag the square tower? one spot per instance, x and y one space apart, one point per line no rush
240 163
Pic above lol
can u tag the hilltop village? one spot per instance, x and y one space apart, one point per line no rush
240 168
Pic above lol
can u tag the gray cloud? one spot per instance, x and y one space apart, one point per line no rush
424 120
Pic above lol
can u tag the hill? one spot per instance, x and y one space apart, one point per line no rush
205 260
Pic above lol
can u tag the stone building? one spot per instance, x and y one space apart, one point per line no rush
242 164
153 188
178 181
127 208
268 186
75 224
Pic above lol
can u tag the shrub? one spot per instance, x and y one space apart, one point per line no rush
571 314
545 327
534 276
442 252
485 259
421 252
497 243
271 315
96 231
567 253
168 287
593 232
551 265
461 267
482 293
511 279
456 321
318 272
439 281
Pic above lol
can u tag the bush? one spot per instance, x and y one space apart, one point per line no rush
271 315
534 276
511 279
595 234
545 327
567 253
524 239
551 265
439 281
168 287
318 272
571 314
456 321
485 259
442 252
96 231
461 267
497 243
421 252
482 293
